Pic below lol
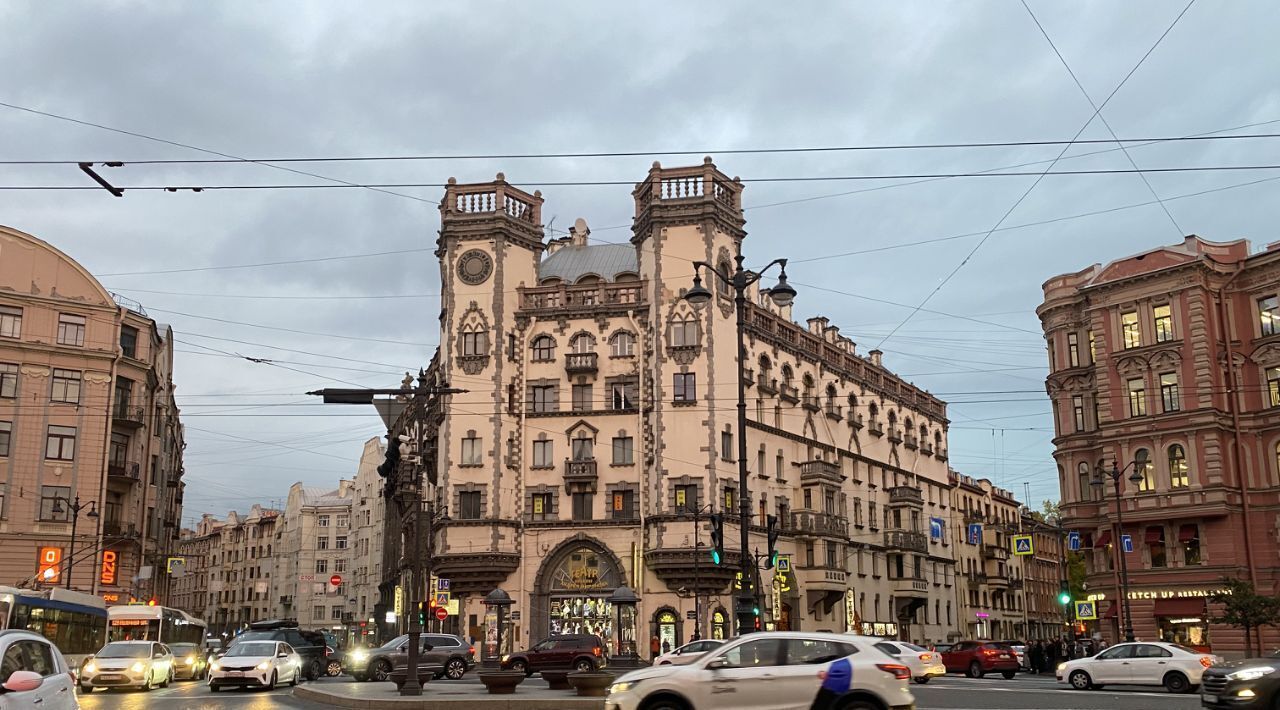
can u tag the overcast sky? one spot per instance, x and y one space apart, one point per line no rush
276 79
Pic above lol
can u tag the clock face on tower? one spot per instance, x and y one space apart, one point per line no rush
474 267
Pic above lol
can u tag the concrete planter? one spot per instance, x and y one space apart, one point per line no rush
591 684
501 682
400 675
557 680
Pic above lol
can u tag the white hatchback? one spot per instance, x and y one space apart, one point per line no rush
766 671
687 653
256 664
1177 668
924 664
128 664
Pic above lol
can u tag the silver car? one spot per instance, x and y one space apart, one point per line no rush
924 664
687 653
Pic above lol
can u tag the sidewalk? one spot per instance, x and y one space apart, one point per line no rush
532 694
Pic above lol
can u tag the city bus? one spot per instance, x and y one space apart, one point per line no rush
74 621
154 623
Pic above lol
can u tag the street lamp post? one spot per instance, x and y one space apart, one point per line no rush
1097 482
75 506
698 296
697 567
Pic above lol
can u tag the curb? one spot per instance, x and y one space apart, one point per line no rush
482 702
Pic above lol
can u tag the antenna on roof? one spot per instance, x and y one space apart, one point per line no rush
551 226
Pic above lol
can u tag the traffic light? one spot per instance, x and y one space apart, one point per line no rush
771 526
755 613
422 615
1064 593
717 538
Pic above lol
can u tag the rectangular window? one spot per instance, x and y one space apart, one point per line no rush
317 613
1137 389
622 395
10 322
322 542
340 542
336 613
1073 350
685 387
832 555
8 380
543 454
129 341
344 521
777 467
322 566
622 505
469 505
1163 320
686 498
623 451
55 503
729 499
583 449
684 333
1077 411
1190 539
582 398
582 506
726 446
1130 330
60 444
322 521
1169 392
1155 542
542 398
66 386
1093 347
541 503
71 330
475 344
808 554
1268 315
6 434
471 455
1273 385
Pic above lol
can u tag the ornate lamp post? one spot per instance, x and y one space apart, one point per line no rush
1098 483
698 296
76 506
624 601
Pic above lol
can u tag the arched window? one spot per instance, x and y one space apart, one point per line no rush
721 285
622 344
1085 480
787 375
684 331
475 341
1142 465
582 344
893 420
831 398
1178 468
924 434
766 371
808 389
544 348
873 411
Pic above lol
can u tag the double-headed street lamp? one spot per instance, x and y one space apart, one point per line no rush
1136 477
76 506
782 294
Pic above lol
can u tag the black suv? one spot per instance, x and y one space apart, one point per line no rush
1221 685
443 655
309 644
581 652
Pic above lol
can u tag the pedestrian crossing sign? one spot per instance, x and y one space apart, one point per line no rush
1086 611
1022 545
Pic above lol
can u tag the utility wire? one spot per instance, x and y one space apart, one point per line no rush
1047 171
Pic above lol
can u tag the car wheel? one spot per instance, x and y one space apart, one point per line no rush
271 684
975 670
314 669
665 663
1080 680
664 703
859 705
213 688
520 666
380 671
167 680
455 669
922 679
86 689
1008 675
1177 683
584 666
333 670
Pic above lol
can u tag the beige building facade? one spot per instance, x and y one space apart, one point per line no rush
314 548
87 413
368 507
241 567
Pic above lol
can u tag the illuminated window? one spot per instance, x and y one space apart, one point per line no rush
1073 350
1137 389
1178 466
1142 465
1130 329
1169 392
1268 315
1163 321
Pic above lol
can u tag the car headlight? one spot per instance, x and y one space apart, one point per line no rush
623 687
1062 667
191 660
90 668
264 665
138 667
214 666
1251 673
505 657
359 655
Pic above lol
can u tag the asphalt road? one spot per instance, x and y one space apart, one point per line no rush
948 693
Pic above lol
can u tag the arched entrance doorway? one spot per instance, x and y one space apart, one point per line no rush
666 626
571 595
720 624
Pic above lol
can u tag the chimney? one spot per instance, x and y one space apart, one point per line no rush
831 333
875 356
554 245
578 233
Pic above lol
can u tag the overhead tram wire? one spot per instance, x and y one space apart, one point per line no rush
1047 171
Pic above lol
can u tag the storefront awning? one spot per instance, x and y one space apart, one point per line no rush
1154 535
1187 533
1179 607
1104 539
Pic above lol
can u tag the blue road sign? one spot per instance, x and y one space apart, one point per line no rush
935 528
1073 541
1126 541
1022 545
1086 610
975 533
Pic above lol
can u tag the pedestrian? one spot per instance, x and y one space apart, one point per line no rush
836 680
655 646
666 647
1035 655
1050 656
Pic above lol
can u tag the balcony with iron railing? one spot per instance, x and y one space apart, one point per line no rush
875 426
581 363
909 440
995 552
129 471
906 495
788 393
895 435
808 522
906 540
128 416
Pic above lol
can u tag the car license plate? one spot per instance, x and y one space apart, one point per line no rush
1206 697
109 676
1004 656
235 674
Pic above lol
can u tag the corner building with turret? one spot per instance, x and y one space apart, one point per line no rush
598 434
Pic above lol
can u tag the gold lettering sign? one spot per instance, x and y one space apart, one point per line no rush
1175 593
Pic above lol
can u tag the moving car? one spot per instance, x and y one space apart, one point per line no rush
127 664
445 655
579 652
1020 652
189 661
924 664
1177 668
767 671
33 674
687 653
1252 682
309 645
256 664
977 658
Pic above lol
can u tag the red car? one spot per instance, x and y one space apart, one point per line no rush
977 658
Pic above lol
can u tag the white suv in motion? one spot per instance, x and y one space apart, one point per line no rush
766 671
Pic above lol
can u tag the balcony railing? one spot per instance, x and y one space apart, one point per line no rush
995 552
875 427
768 386
568 298
855 420
906 540
580 471
129 470
788 393
819 470
926 448
833 411
906 495
580 363
895 435
910 440
910 586
811 403
813 523
128 415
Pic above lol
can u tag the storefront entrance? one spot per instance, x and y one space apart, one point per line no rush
572 592
720 625
667 628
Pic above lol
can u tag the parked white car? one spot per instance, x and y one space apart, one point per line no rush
256 664
924 664
33 674
128 664
1177 668
766 671
687 653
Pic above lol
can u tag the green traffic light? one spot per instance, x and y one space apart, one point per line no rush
715 557
1064 598
755 610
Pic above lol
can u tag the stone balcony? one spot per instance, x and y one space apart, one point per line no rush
812 523
128 471
906 540
995 552
581 363
589 298
580 476
818 471
917 587
906 495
